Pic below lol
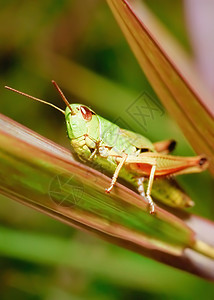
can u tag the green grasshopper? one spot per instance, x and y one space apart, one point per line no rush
126 154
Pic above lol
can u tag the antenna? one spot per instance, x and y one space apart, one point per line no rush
34 98
62 95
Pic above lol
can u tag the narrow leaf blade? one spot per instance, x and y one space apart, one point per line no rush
180 91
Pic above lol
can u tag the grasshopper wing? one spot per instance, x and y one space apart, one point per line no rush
138 140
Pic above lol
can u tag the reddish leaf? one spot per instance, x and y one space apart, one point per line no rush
180 90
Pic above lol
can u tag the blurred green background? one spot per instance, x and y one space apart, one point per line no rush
79 44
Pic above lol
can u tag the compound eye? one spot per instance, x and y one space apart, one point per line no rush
86 113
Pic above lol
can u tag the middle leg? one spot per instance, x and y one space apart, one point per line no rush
116 173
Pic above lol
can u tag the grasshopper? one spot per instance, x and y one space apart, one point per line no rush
126 154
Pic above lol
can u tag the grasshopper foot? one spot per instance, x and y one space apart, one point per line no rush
152 210
109 189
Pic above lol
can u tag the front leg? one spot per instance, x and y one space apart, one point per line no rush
93 154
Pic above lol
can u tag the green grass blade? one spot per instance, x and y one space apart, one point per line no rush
121 268
41 174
